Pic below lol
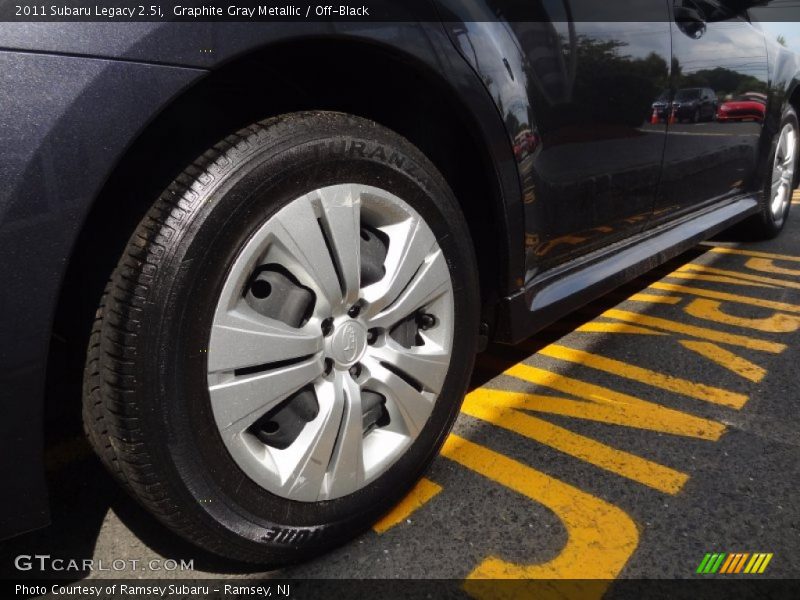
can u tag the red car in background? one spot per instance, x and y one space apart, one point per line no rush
751 105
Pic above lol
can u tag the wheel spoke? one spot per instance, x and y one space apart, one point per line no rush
410 241
791 145
346 470
782 150
341 217
305 253
426 364
240 401
243 338
330 458
414 407
777 181
430 282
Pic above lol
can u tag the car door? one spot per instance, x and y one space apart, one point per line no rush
575 82
719 54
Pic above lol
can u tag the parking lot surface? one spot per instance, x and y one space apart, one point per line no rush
634 438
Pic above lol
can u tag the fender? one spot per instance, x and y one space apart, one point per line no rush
62 146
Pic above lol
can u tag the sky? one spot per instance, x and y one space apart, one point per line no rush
790 31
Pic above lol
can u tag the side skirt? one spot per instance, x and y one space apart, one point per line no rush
559 291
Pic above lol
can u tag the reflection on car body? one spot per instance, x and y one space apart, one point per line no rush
694 104
750 105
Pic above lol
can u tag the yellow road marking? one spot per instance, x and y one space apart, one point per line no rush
670 287
694 331
710 310
715 279
772 281
655 298
700 391
600 536
604 327
724 250
604 405
729 360
423 492
767 265
667 480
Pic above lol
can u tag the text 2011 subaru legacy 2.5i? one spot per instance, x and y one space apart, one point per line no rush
268 253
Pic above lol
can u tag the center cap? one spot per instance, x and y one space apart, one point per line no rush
348 342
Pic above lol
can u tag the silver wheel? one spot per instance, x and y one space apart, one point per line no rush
330 342
783 172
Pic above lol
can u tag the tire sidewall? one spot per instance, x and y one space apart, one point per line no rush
218 220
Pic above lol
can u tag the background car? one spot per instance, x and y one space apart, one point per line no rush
661 107
747 106
694 104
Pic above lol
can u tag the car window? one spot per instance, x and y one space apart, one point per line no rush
687 94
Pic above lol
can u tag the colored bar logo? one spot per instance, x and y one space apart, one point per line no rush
732 563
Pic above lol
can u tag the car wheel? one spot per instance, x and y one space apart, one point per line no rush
286 341
776 197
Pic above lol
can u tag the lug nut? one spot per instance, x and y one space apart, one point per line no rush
355 371
354 311
372 336
426 321
327 327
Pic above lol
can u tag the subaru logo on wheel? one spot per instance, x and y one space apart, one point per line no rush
350 348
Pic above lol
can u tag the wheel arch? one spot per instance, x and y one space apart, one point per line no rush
450 118
794 101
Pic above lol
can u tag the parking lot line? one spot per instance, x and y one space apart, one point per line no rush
615 327
691 276
671 287
602 404
771 281
711 310
699 391
654 298
600 536
727 359
767 265
755 253
695 331
420 495
665 479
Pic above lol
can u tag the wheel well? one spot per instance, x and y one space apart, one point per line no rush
358 78
794 101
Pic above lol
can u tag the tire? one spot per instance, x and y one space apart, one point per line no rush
772 215
169 397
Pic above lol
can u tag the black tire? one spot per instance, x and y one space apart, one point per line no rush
146 404
763 225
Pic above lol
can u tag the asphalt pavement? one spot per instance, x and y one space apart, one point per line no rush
654 427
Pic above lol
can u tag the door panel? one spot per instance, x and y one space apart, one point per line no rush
575 82
711 154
